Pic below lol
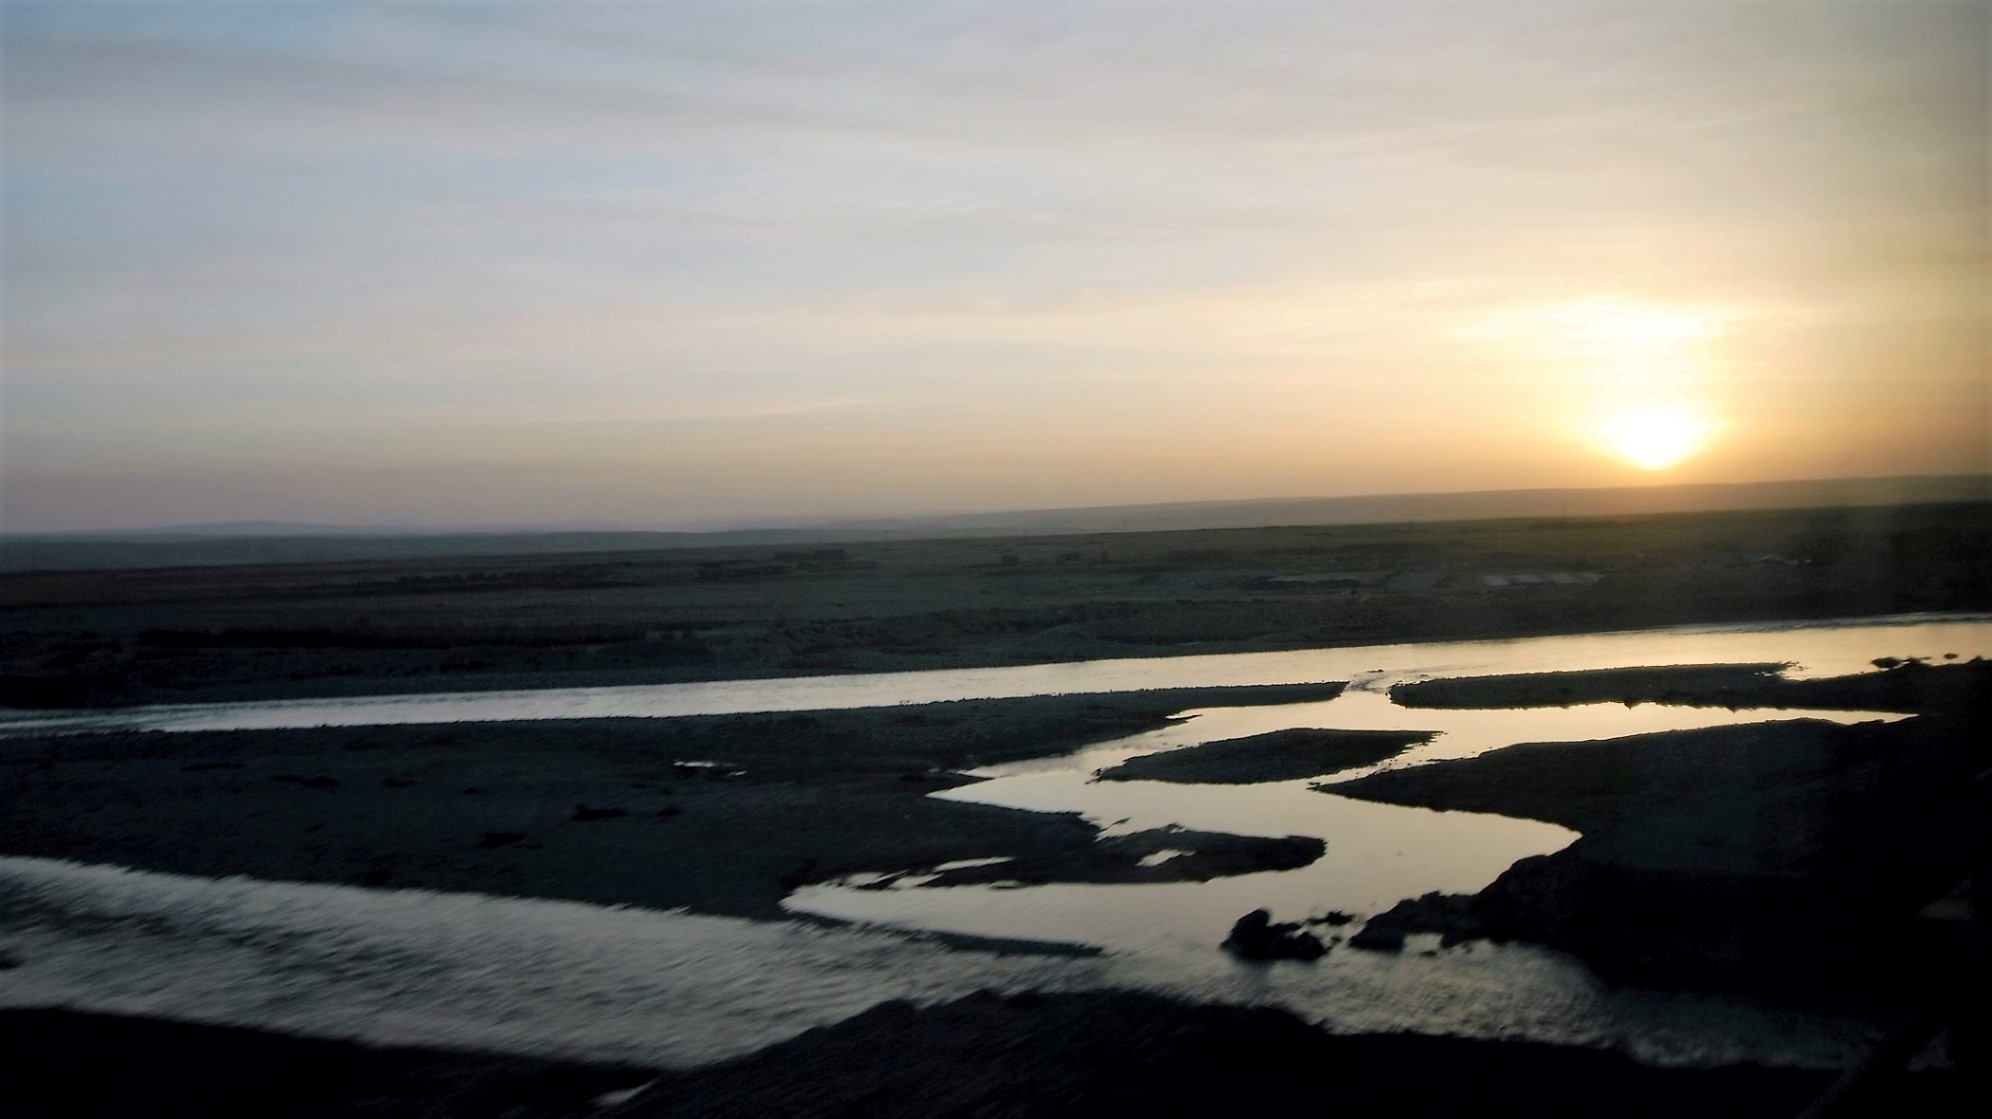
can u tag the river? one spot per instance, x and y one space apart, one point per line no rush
672 988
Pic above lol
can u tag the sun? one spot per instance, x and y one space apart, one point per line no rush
1653 438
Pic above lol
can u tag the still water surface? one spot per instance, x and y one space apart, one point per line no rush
671 988
1377 853
1818 649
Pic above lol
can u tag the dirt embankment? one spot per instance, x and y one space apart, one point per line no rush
1789 855
724 815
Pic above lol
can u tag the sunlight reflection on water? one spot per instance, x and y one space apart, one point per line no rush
1377 853
1827 648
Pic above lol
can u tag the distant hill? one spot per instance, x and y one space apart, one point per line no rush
1478 505
89 551
268 542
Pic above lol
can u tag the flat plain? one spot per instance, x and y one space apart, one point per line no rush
250 632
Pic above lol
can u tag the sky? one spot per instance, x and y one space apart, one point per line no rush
694 264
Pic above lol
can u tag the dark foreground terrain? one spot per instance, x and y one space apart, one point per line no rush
1790 858
58 1063
1055 1055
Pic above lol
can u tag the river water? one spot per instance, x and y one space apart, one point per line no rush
671 988
1816 648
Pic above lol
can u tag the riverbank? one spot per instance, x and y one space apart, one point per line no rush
1786 856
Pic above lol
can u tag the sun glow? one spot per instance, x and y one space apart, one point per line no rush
1654 438
1627 378
1629 329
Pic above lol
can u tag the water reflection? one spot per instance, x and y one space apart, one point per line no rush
1827 648
550 978
1378 854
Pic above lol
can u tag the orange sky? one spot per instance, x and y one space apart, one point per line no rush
668 265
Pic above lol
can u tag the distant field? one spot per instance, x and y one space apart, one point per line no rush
458 622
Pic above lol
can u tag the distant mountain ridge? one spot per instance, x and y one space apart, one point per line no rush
1471 505
236 530
242 542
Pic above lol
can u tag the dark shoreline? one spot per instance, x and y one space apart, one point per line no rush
1905 686
1281 755
25 697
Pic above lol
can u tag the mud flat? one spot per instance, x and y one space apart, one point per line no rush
1169 854
1909 686
722 814
1703 683
1281 755
1791 856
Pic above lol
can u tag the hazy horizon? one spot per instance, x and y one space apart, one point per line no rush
522 263
1423 505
